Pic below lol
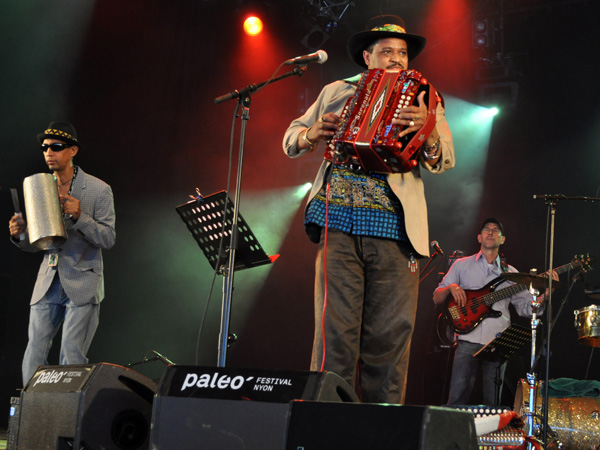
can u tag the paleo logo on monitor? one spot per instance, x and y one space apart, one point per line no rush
235 384
59 379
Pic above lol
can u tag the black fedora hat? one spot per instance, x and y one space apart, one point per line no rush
62 131
379 27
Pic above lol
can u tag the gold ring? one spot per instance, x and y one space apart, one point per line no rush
416 118
321 119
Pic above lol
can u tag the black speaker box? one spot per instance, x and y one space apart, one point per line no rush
229 409
100 406
13 423
222 408
347 426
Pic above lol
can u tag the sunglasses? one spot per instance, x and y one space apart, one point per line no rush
56 147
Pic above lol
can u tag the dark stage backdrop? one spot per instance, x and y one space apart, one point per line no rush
138 79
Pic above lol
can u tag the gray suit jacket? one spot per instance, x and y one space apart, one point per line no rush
80 265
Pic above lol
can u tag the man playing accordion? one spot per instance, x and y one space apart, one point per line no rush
371 226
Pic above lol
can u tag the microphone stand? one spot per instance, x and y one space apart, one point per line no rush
532 379
423 274
244 101
563 302
552 202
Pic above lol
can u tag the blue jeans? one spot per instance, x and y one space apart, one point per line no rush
464 375
79 324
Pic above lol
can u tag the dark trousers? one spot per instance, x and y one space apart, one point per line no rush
370 312
464 375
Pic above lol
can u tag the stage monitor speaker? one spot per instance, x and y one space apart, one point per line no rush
347 426
99 406
228 409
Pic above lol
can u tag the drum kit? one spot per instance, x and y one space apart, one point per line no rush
573 422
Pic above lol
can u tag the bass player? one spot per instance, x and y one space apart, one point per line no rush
471 273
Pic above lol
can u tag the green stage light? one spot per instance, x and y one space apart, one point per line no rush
302 190
493 111
482 115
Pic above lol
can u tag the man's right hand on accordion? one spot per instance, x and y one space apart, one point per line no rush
412 119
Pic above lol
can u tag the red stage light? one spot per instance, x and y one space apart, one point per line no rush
253 26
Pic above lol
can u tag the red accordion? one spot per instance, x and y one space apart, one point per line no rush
366 136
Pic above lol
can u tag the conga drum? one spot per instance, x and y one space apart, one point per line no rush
587 322
575 420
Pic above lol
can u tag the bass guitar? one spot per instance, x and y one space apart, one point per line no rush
463 319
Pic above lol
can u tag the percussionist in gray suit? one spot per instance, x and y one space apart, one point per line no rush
70 282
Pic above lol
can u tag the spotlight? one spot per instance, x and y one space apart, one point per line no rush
500 95
485 114
303 189
481 33
253 26
493 111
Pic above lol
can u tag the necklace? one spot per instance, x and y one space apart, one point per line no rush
72 180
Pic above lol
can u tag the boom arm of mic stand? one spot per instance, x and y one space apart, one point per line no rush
255 87
554 198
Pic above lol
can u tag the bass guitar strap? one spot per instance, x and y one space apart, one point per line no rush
504 265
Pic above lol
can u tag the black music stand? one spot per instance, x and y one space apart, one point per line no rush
204 218
502 347
210 219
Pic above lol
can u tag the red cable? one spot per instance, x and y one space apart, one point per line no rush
325 274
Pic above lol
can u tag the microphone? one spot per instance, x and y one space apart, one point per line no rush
320 56
158 357
162 358
436 247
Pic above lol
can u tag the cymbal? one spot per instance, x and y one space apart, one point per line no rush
537 281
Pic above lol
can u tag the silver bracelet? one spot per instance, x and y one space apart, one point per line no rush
432 152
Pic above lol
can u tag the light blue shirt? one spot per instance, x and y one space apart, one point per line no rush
474 273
